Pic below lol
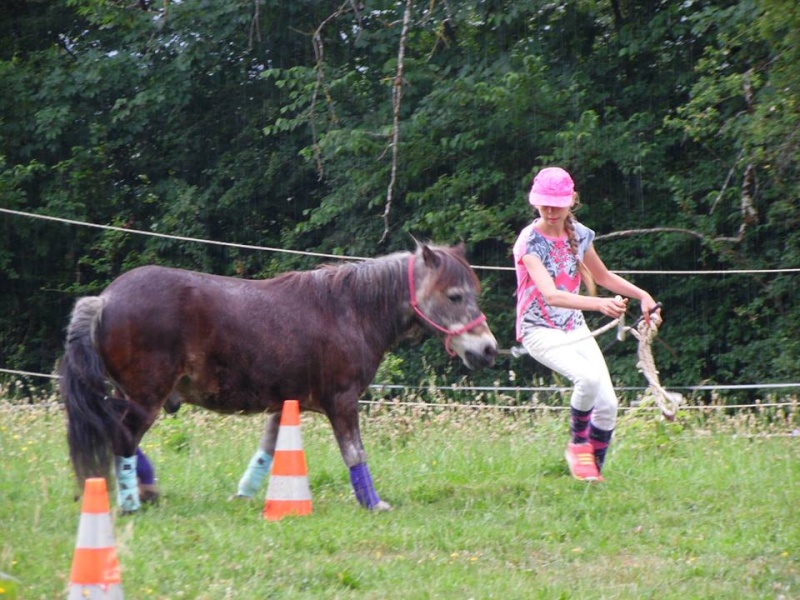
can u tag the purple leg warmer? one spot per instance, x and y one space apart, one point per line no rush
599 439
579 425
363 487
144 470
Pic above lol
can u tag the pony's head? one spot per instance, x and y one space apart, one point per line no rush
444 294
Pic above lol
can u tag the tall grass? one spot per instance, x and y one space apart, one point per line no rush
707 507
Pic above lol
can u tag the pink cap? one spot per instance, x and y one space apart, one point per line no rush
552 187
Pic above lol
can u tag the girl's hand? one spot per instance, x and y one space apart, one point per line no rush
613 307
649 308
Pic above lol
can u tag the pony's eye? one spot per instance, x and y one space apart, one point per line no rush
455 297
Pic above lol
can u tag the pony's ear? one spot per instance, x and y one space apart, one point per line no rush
429 256
417 243
461 249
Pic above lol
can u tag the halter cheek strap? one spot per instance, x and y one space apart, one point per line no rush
449 333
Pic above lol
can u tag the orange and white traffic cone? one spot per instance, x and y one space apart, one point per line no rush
288 492
95 569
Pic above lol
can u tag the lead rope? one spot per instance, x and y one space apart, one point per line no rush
619 323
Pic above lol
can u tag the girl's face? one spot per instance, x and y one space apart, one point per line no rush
553 217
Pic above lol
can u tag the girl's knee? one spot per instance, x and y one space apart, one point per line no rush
588 384
585 392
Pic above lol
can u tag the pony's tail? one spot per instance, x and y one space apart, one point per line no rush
93 416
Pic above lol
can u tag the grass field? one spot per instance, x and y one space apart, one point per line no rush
707 507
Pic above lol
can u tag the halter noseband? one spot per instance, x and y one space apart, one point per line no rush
448 332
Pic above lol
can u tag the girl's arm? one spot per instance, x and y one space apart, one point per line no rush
614 283
611 307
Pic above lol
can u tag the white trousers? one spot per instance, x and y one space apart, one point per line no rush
576 356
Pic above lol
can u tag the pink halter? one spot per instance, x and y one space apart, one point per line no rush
448 332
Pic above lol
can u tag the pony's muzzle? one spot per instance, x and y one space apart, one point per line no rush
482 360
478 350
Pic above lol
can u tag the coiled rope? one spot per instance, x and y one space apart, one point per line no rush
645 333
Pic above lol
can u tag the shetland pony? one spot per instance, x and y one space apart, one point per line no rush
159 334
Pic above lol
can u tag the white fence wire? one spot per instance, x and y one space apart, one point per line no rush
497 390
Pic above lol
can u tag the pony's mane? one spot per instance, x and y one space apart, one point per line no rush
390 273
373 286
369 286
367 275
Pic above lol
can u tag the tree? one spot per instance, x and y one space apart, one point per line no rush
347 129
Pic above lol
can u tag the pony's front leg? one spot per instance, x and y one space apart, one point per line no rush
145 474
146 477
348 436
261 462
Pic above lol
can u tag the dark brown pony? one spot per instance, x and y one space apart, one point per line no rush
244 346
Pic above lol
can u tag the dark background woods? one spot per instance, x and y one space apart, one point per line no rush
273 124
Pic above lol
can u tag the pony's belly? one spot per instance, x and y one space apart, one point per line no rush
224 399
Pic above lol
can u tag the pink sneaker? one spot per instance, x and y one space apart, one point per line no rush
580 458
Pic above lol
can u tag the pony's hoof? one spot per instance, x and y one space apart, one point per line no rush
240 497
148 493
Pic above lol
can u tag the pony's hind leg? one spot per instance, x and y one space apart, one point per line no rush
134 473
261 462
348 436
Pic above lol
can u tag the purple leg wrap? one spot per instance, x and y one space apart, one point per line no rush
363 487
144 470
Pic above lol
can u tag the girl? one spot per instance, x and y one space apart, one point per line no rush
552 256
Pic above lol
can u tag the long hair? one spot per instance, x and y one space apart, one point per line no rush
586 274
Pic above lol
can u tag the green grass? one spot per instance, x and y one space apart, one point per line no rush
708 507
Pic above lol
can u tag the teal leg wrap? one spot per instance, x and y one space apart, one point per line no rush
127 483
254 476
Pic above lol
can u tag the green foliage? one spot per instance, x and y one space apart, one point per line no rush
272 124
